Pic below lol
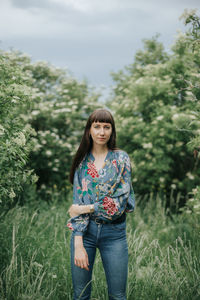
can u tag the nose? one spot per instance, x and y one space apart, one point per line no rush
102 131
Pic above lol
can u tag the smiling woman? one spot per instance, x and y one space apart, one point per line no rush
102 195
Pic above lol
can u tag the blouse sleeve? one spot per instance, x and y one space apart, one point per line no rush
120 197
79 223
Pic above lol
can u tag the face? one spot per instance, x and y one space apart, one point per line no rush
100 132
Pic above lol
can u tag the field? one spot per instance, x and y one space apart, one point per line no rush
164 260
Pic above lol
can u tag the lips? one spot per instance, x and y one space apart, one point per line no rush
101 138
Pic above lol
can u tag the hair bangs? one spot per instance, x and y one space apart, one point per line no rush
102 116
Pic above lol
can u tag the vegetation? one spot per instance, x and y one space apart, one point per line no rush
156 105
164 260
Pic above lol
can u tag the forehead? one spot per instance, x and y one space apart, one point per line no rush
100 123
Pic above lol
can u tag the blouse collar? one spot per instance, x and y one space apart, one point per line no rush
91 156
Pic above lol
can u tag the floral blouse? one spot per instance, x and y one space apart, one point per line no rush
109 189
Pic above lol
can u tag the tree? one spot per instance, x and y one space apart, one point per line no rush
152 109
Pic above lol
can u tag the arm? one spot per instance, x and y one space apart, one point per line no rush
78 222
121 197
80 254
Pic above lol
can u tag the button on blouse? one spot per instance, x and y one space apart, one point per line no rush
109 189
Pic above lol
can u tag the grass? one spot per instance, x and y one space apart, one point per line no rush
164 258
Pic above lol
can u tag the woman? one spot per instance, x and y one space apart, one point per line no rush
102 195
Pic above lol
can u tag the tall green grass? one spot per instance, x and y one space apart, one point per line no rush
164 258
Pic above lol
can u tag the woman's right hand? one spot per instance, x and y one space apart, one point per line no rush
81 258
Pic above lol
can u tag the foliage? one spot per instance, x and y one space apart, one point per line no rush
156 115
16 135
43 113
193 90
58 117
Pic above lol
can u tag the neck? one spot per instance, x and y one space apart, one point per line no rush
99 149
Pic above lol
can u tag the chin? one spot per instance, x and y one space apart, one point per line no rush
101 142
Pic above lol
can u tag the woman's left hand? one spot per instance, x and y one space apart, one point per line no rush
74 210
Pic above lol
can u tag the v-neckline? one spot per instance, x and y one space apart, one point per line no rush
104 164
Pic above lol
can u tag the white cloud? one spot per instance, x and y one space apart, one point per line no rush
64 18
91 37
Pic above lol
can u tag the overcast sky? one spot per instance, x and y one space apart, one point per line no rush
91 38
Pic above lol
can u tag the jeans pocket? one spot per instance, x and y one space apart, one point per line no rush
119 226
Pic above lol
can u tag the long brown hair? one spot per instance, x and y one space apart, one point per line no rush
99 115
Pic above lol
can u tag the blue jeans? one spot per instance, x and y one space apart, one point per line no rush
111 241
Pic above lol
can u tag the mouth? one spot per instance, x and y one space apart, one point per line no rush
101 138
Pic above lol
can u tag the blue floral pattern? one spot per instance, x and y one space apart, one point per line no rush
109 189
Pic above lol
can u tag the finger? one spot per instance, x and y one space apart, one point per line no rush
86 267
76 262
82 265
87 260
85 264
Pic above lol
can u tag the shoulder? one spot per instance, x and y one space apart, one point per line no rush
121 156
82 163
120 153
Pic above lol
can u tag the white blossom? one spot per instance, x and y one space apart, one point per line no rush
147 145
159 118
43 142
189 175
1 130
12 194
175 116
48 153
179 144
139 80
197 206
35 112
173 186
20 139
43 186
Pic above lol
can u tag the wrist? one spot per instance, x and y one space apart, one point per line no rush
91 208
87 209
78 242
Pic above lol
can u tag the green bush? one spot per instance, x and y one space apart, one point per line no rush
156 116
16 136
44 111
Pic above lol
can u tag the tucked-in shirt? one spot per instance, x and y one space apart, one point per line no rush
109 189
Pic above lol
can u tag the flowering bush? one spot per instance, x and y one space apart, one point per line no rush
16 135
58 116
47 106
193 93
156 116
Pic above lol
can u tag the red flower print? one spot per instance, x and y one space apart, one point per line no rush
110 206
69 225
92 170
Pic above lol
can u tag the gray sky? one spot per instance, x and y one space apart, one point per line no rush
91 38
